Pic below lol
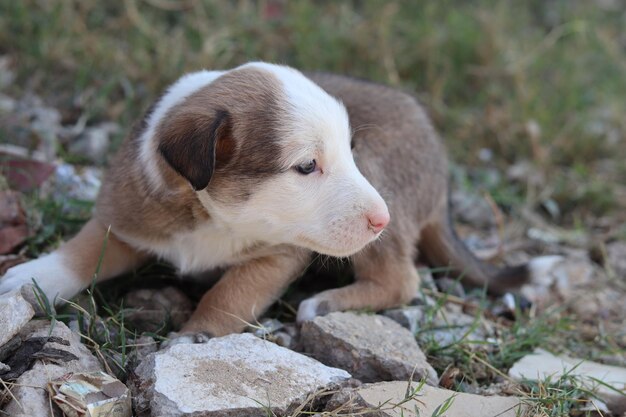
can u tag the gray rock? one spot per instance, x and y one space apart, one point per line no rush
616 258
15 312
82 183
448 326
154 309
451 286
4 367
29 391
266 328
93 143
541 364
397 398
283 339
407 317
371 347
471 208
236 375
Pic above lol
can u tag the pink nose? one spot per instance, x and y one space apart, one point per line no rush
378 221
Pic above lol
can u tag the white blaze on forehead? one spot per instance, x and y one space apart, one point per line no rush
315 119
175 94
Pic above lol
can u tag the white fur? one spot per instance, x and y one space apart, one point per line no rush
174 95
51 273
307 310
206 247
324 211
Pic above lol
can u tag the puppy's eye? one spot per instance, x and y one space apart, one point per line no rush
307 167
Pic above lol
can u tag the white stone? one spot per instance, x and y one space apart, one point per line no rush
15 312
227 376
371 347
29 393
541 364
396 399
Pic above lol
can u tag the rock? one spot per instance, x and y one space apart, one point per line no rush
266 328
283 339
616 258
407 317
13 225
472 209
371 347
541 364
145 345
92 394
15 312
7 75
93 143
395 399
451 286
72 182
557 274
155 309
450 326
235 375
4 368
447 326
23 172
141 348
29 391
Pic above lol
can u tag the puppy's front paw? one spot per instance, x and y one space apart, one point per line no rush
55 279
311 308
175 338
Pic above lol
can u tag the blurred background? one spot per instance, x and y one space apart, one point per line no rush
529 96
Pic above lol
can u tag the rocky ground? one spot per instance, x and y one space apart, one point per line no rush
453 351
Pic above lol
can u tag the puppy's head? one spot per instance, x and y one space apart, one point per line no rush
268 154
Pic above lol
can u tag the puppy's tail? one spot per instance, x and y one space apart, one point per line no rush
441 247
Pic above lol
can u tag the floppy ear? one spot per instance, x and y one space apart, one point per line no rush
190 142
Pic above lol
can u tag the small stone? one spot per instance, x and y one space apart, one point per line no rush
407 317
155 309
451 286
267 327
557 274
542 364
450 325
228 376
398 398
15 312
145 345
471 208
71 182
616 258
283 339
29 391
13 226
92 394
93 143
4 368
371 347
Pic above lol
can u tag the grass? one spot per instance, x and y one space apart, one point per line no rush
506 83
531 81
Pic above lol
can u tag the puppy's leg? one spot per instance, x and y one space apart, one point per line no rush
70 269
245 292
385 277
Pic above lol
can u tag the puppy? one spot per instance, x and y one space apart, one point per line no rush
255 170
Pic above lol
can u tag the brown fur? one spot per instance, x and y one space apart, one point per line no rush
395 147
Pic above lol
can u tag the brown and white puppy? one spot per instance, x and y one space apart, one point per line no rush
256 169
